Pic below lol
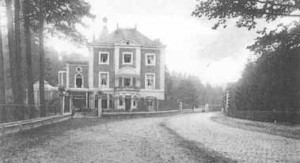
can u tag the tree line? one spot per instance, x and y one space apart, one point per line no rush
271 81
190 90
28 22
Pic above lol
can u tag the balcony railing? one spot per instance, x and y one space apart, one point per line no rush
127 88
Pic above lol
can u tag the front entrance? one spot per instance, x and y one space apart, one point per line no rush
79 103
127 103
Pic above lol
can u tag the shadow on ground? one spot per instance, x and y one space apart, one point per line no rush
197 150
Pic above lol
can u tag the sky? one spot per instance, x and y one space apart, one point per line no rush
217 56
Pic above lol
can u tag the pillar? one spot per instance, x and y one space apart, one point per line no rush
99 107
71 103
62 102
86 99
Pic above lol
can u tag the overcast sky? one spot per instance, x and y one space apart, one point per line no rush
216 56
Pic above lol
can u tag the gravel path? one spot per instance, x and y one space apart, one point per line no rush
136 140
234 143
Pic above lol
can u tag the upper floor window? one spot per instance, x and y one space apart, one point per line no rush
103 58
150 81
127 82
127 58
78 81
104 79
150 59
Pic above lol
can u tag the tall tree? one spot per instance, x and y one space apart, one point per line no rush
42 57
30 91
61 16
2 80
11 47
18 57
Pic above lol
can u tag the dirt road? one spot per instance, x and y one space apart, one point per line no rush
181 138
94 140
242 145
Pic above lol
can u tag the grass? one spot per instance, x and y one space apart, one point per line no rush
284 130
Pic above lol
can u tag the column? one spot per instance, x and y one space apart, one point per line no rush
116 102
99 106
62 102
71 103
108 101
91 67
86 99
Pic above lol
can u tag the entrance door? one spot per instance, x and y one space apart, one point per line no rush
127 104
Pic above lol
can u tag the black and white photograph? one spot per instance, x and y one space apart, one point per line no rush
149 81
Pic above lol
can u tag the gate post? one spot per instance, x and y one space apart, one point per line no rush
62 93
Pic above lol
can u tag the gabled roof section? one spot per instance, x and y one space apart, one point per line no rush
130 35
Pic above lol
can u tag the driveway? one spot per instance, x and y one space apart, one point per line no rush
181 138
234 143
103 140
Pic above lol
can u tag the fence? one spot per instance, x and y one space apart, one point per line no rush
14 112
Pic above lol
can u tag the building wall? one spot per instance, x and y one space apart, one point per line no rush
104 68
150 69
72 73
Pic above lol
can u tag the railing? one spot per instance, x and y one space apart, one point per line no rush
16 112
127 88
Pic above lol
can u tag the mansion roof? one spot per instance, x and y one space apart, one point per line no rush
130 34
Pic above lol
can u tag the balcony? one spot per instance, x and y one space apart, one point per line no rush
127 88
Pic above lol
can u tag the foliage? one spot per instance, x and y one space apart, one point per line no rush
272 81
62 17
189 90
246 11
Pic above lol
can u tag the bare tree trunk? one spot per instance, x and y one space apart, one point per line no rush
30 91
2 81
42 58
21 111
11 46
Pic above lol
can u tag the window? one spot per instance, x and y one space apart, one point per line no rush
79 69
127 82
150 81
104 58
150 59
78 81
127 58
104 103
103 79
120 101
134 103
150 103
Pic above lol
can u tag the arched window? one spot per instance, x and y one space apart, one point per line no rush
78 81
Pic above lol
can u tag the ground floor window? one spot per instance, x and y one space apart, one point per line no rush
134 102
150 103
104 103
120 102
